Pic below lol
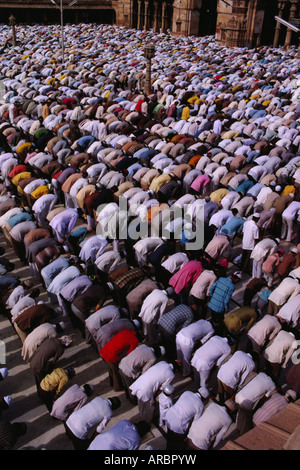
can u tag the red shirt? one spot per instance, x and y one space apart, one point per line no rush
119 346
16 170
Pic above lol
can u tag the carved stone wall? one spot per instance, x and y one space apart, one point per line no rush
246 23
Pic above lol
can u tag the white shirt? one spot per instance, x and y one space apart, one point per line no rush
250 234
290 311
72 400
106 262
264 330
95 414
154 306
175 262
214 351
200 289
260 385
164 403
235 371
92 248
36 337
220 218
292 210
101 317
153 379
209 429
281 348
178 417
287 289
16 295
5 217
262 248
200 330
23 302
145 246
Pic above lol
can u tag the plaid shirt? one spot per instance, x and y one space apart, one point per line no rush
220 293
179 317
130 279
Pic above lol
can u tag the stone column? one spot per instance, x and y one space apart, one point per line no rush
139 15
163 17
277 28
155 26
292 15
146 15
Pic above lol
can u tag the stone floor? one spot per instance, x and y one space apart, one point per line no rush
42 430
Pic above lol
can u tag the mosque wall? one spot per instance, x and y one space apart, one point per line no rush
243 23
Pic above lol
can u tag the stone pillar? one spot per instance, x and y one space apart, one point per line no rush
277 28
139 15
289 31
12 22
163 17
149 54
155 26
146 15
250 23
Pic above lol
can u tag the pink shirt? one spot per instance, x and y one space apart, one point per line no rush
186 276
200 182
271 262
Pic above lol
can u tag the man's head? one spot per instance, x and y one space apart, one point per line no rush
88 389
159 351
114 402
236 276
71 372
142 428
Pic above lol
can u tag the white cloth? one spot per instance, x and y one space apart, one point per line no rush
281 348
214 351
178 417
92 416
264 330
35 338
254 390
250 234
234 372
154 306
290 312
207 431
154 379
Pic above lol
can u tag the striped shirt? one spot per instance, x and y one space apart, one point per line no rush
138 361
276 403
220 293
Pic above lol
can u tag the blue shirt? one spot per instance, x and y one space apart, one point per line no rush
49 272
122 436
18 218
220 293
244 186
233 226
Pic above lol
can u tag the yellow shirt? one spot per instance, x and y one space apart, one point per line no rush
230 134
159 181
55 381
20 176
23 149
185 113
288 190
40 191
217 196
